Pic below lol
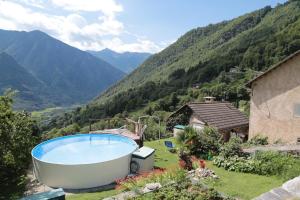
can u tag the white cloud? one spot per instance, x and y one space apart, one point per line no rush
72 27
141 45
21 17
33 3
7 24
108 7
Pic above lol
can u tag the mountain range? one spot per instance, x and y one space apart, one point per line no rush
219 58
54 73
125 62
252 41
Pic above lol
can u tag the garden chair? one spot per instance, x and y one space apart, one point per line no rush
170 146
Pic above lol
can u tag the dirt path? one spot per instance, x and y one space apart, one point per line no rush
33 186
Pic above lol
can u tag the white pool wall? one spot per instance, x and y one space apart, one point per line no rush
83 175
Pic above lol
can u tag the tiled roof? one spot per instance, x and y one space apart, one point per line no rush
221 115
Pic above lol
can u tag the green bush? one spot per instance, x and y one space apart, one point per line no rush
71 129
263 163
18 135
258 140
232 148
235 163
200 143
273 163
292 170
183 190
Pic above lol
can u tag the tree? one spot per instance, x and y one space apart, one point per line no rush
17 138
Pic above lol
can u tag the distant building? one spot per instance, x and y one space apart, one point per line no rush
223 116
178 129
275 102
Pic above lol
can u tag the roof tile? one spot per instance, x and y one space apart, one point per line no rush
222 115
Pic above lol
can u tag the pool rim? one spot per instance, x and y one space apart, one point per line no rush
83 134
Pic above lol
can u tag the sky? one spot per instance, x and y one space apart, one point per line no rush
121 25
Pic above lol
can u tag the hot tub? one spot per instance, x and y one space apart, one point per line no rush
83 161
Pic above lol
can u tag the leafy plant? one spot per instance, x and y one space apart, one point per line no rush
231 148
263 163
200 143
258 140
183 190
18 135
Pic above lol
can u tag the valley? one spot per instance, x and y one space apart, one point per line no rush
217 60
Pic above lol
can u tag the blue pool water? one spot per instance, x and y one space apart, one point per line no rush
84 149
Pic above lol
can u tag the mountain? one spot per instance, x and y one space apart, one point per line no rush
216 60
70 75
125 62
16 77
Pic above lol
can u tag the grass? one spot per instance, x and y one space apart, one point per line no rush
163 158
93 195
239 185
242 185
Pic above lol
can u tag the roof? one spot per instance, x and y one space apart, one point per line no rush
221 115
274 67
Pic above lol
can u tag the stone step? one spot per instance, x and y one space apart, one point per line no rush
282 193
268 196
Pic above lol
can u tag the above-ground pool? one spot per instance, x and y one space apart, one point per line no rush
83 160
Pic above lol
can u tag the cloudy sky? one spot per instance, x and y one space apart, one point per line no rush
121 25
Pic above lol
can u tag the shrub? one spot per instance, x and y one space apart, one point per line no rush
235 163
157 175
18 135
232 148
201 143
263 163
272 163
183 190
292 170
185 161
258 140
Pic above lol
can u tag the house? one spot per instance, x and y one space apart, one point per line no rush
275 102
223 116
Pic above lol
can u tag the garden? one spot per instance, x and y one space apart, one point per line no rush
239 175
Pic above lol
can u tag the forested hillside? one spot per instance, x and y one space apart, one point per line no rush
68 74
217 60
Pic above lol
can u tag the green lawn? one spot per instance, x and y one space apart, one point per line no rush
93 195
163 158
241 185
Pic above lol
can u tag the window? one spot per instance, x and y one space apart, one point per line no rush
297 110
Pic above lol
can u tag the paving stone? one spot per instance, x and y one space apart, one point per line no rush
282 193
268 196
293 186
